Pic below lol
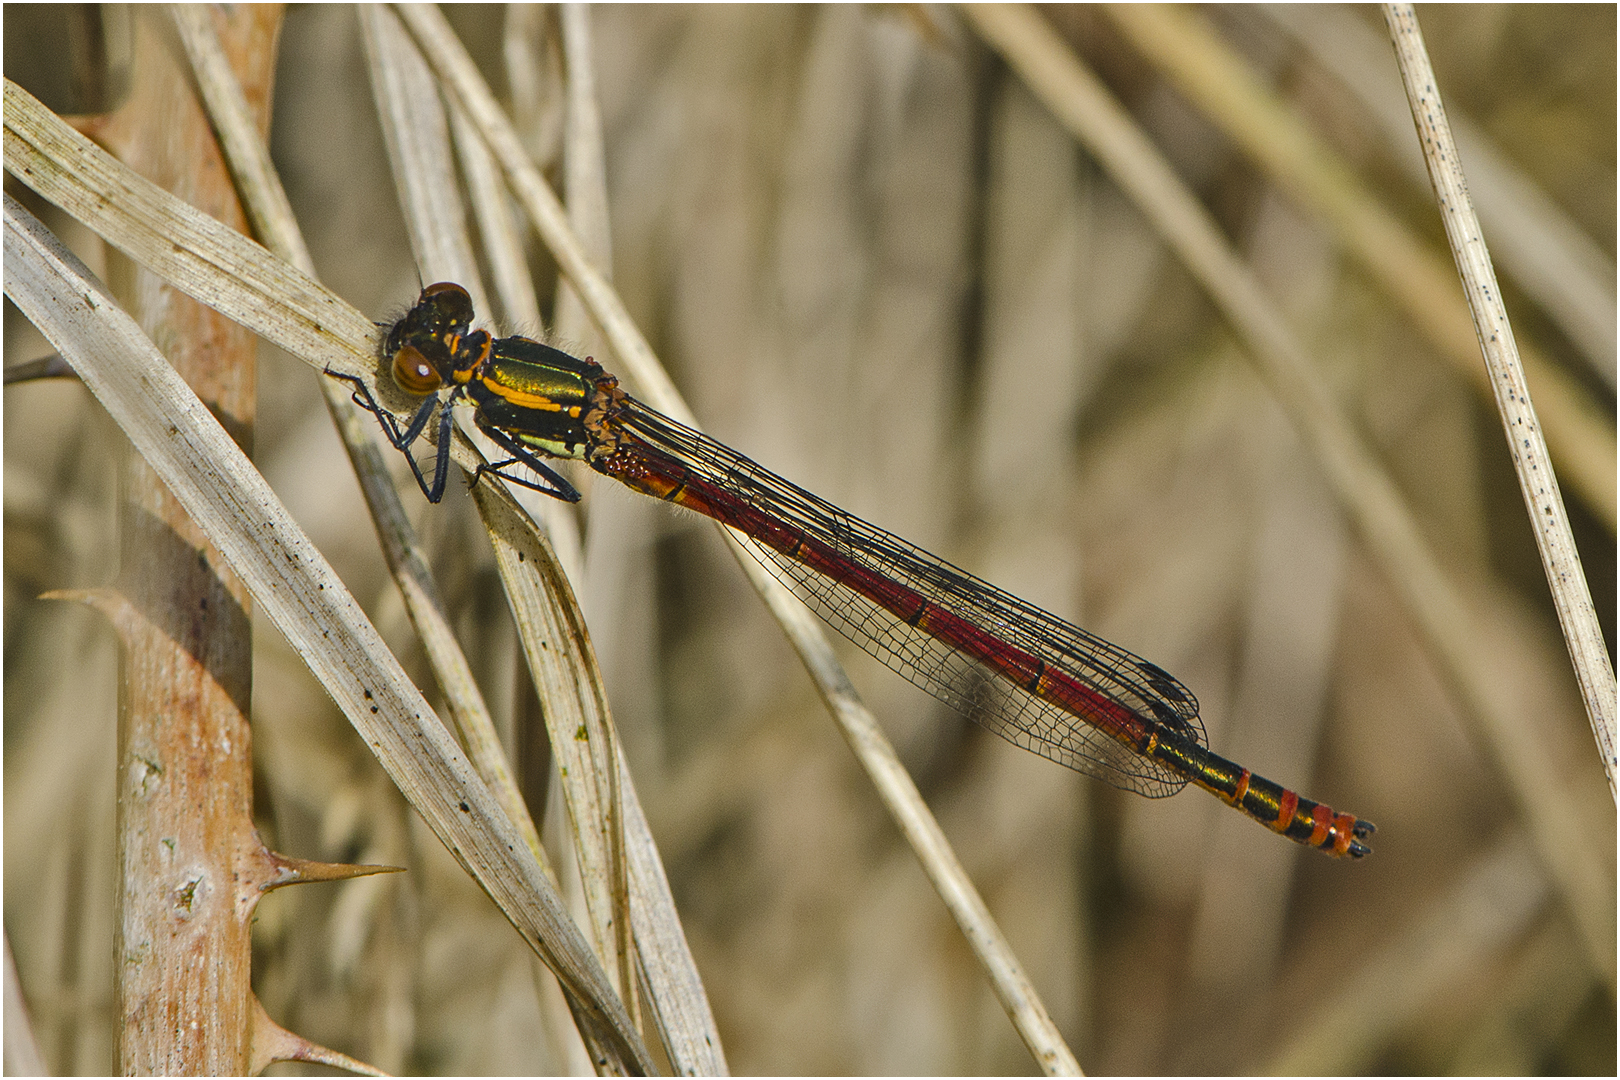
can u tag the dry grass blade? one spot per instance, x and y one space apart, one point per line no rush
416 157
585 181
206 260
502 241
266 204
557 646
417 129
416 132
443 50
265 293
1415 276
1536 242
1361 484
574 155
675 994
696 1042
1537 481
860 729
625 895
674 990
260 190
277 302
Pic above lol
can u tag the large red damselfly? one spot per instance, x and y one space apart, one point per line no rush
1025 674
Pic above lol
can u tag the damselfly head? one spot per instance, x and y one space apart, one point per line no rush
448 302
443 312
431 345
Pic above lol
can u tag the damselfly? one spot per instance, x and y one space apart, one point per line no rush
1025 674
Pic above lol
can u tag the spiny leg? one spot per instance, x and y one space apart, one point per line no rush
560 488
404 440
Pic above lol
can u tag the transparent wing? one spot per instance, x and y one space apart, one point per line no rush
841 565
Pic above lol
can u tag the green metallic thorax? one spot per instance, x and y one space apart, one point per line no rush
538 395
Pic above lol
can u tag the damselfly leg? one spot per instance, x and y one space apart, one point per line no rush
404 440
559 487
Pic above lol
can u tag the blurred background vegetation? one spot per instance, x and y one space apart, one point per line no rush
876 264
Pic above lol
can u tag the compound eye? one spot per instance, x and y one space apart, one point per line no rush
414 373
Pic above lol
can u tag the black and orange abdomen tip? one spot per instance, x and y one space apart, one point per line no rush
1348 832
